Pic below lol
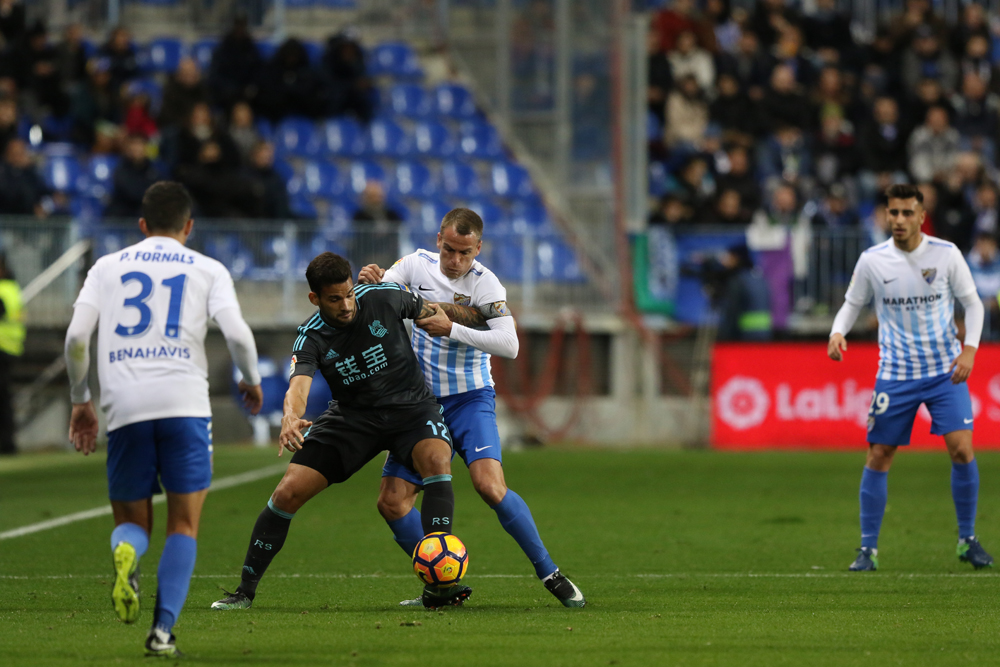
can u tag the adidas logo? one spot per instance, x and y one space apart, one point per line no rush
330 354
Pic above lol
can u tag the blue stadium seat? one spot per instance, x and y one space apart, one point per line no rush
55 128
161 55
226 247
99 172
395 59
454 101
409 100
88 47
430 214
386 138
511 181
433 139
460 180
412 179
556 261
659 179
202 51
315 52
506 254
300 4
479 139
62 173
273 381
302 206
322 179
488 211
107 241
148 87
283 169
343 137
361 172
297 136
266 49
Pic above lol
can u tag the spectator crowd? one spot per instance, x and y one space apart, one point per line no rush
786 120
201 128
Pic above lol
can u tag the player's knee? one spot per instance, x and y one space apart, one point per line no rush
432 460
391 507
962 455
287 499
490 489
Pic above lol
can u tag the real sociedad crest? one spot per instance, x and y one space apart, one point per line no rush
377 329
929 275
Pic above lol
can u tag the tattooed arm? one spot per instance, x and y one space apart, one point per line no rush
437 318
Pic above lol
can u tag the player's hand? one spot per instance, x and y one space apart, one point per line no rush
962 366
83 427
437 324
371 274
253 397
836 347
291 437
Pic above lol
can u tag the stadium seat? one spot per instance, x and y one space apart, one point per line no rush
147 87
479 139
202 51
343 137
315 52
409 100
488 211
108 240
531 218
301 206
659 179
322 179
412 179
265 129
62 173
161 55
433 139
511 181
386 138
430 215
395 59
556 261
299 4
100 169
361 172
283 169
298 137
460 180
266 49
227 248
453 101
55 128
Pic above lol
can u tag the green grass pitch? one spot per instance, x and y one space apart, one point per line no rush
686 558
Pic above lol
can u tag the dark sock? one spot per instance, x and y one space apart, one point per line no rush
266 540
438 505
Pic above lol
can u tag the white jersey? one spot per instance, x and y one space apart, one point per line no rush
154 301
914 296
449 367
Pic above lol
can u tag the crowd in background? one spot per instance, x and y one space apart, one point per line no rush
787 121
200 128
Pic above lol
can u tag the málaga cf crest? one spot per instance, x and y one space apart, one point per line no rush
929 275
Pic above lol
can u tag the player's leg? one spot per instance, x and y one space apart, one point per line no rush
396 499
890 419
432 460
950 406
131 467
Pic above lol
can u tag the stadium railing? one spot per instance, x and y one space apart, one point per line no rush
268 260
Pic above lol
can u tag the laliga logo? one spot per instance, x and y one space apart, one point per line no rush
743 402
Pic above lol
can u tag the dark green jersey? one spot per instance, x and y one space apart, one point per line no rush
369 363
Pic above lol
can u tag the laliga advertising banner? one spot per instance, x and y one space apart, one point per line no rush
792 396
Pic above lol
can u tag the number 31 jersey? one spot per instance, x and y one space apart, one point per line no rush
155 299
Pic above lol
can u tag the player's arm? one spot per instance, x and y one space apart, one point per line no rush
975 314
83 419
292 424
499 339
859 292
243 349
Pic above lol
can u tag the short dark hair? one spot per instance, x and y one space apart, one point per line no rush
464 220
904 191
327 269
166 207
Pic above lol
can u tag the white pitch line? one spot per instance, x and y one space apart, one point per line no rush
675 575
218 485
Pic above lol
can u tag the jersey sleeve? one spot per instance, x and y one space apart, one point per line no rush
222 294
410 304
491 296
400 271
859 291
305 356
91 291
962 284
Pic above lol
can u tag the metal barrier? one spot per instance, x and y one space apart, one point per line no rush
268 260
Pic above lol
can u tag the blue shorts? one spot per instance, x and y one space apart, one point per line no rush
895 403
472 419
178 451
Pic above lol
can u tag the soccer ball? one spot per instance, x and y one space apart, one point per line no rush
440 559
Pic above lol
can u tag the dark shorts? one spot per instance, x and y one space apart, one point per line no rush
175 451
895 403
343 440
472 418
